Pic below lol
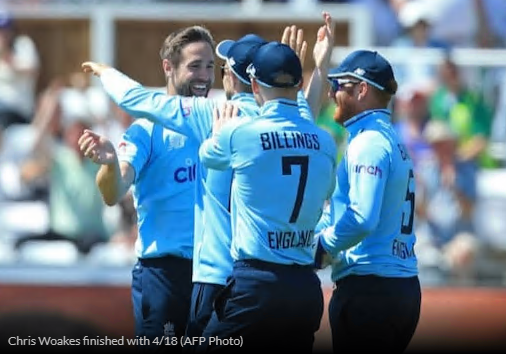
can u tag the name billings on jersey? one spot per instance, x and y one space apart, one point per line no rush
290 239
289 140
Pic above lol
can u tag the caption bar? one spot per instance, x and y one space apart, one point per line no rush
139 341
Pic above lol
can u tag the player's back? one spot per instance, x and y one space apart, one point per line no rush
284 167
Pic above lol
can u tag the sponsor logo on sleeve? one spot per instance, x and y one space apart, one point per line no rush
368 169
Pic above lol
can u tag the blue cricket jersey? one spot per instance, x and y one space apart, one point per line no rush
368 227
192 116
281 164
163 188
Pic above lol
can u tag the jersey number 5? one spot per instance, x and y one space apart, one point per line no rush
287 162
407 218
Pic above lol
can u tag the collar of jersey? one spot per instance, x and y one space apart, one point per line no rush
359 120
243 96
279 104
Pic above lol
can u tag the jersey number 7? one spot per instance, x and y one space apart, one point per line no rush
287 162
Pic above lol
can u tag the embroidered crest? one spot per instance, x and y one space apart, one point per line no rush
176 141
359 71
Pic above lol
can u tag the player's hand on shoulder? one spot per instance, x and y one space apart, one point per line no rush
223 114
94 68
97 148
324 42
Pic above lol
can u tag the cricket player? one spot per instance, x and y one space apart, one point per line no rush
159 165
368 228
273 299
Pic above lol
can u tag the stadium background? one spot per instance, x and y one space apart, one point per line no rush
42 294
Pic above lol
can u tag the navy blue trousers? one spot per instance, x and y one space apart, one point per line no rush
161 291
370 314
266 306
201 309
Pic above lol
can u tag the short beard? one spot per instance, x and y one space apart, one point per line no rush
185 90
342 115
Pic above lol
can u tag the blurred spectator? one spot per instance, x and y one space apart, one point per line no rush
411 115
446 198
115 124
460 22
491 15
491 81
75 205
79 98
19 69
498 135
385 24
466 112
416 23
452 21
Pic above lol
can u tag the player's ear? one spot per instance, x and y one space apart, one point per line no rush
363 88
167 67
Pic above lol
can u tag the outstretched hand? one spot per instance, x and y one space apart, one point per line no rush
324 42
97 148
294 37
93 68
222 115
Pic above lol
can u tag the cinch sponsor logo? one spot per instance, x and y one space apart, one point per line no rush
371 170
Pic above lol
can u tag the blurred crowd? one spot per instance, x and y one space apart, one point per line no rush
452 120
51 210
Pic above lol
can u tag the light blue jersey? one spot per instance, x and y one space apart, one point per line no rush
372 208
213 262
165 169
278 191
192 116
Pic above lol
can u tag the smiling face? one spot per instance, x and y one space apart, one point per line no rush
194 76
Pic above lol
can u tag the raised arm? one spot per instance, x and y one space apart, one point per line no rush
312 98
316 88
185 115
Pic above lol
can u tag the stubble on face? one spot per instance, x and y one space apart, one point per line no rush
344 109
195 74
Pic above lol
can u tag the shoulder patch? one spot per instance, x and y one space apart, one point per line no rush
187 103
125 147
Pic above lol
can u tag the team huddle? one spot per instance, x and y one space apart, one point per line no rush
239 203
